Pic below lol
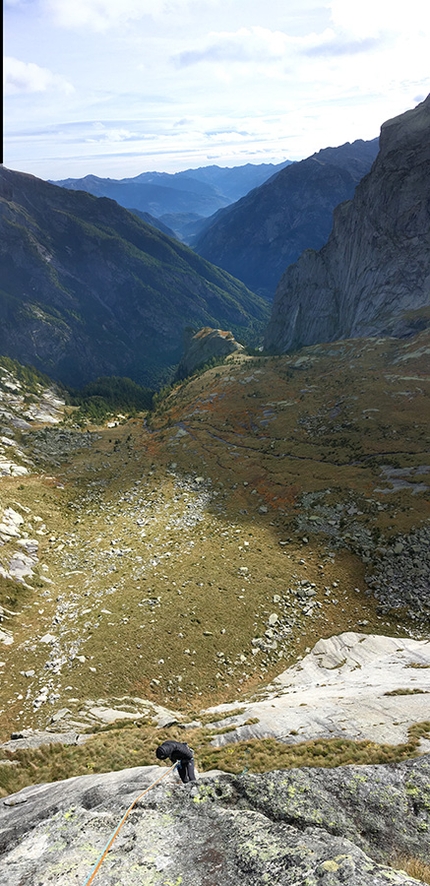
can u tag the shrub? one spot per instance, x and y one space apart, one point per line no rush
108 395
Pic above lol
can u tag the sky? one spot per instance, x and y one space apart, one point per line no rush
118 87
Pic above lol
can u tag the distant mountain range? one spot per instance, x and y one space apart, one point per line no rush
373 275
182 200
88 289
267 230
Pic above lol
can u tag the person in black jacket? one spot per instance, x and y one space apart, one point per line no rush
180 753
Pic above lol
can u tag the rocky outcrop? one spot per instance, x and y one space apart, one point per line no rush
374 272
267 230
26 399
311 827
88 289
397 567
335 690
205 345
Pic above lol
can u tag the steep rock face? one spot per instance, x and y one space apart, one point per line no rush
311 827
374 272
206 344
267 230
88 289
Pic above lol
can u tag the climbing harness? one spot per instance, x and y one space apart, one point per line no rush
103 855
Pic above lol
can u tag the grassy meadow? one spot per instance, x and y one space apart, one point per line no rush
169 540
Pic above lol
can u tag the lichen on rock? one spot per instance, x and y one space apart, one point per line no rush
314 827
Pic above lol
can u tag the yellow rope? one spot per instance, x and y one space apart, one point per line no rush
102 857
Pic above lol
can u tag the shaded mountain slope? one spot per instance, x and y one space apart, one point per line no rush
88 289
155 222
265 231
373 275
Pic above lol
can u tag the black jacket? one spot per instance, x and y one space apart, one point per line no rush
176 751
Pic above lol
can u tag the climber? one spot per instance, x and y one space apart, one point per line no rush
181 754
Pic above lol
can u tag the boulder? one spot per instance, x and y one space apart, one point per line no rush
316 827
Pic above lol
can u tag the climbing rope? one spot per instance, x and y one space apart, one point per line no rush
105 851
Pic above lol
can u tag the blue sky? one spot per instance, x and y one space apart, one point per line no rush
119 87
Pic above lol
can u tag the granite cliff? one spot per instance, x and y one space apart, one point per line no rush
373 275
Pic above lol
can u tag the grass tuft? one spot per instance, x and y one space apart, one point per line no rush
414 867
123 745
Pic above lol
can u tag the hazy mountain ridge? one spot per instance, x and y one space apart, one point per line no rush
373 275
181 196
269 228
88 289
234 182
155 222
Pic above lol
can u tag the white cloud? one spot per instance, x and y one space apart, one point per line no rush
102 134
21 76
100 15
265 47
368 18
246 44
357 28
296 76
333 45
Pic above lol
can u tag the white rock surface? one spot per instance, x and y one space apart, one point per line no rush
49 410
20 567
10 523
17 565
9 468
340 689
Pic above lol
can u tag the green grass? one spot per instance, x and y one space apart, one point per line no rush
121 746
277 445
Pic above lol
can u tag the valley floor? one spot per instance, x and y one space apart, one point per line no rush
189 558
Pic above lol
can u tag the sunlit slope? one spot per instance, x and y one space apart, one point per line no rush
189 558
